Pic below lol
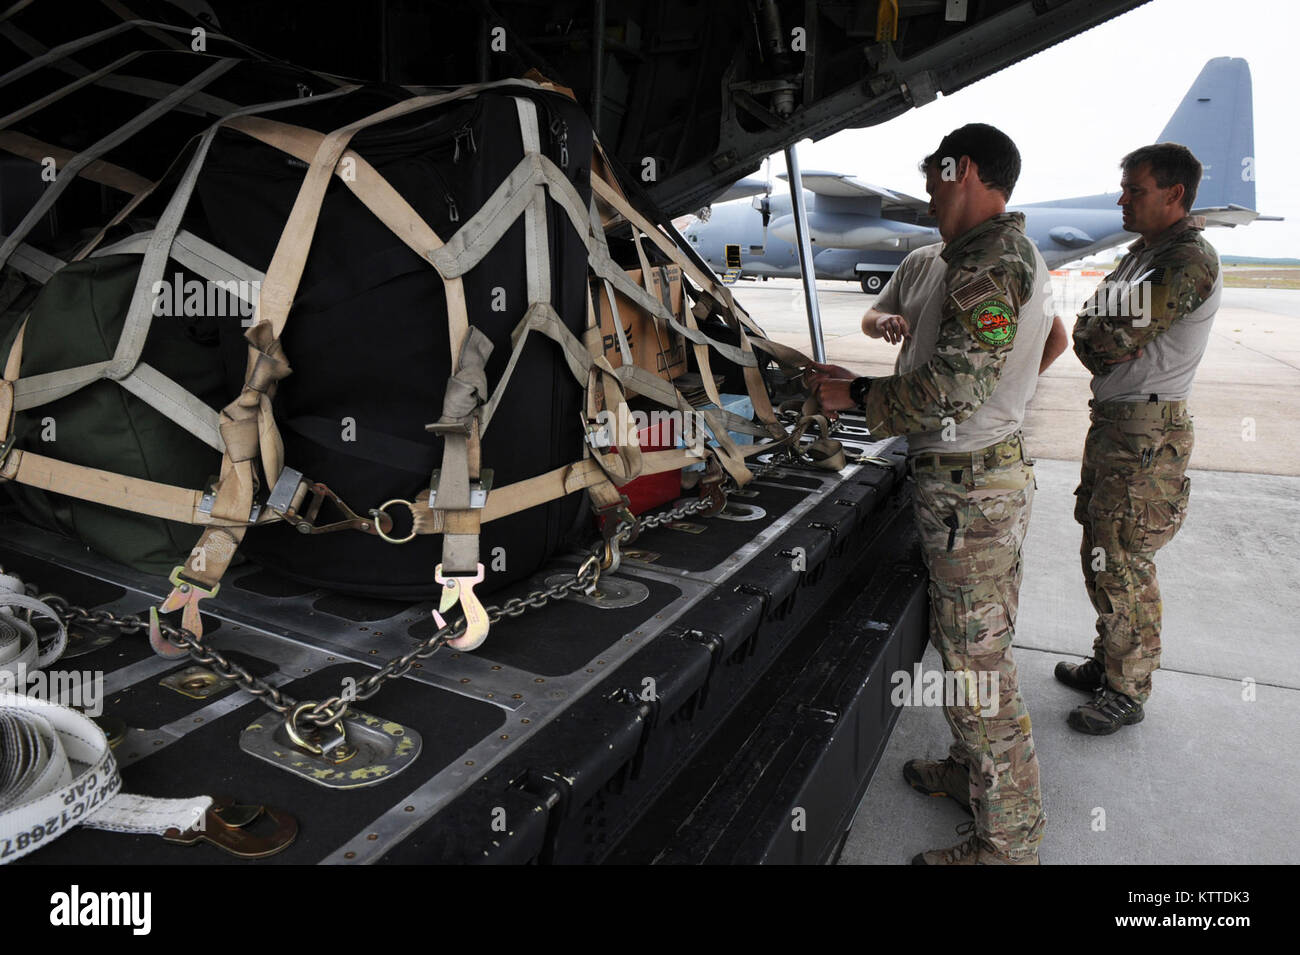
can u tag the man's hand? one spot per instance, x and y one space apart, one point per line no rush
892 328
817 373
830 383
833 394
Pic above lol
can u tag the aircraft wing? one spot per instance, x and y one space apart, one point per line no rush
743 189
843 186
1232 215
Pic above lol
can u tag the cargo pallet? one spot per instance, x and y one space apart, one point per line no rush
726 699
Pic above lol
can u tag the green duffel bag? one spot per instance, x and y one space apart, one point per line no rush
113 381
76 321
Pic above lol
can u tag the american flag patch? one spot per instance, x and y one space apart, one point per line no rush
978 289
1155 276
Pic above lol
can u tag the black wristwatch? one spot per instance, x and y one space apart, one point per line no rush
858 391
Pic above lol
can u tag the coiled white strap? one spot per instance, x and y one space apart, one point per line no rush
57 771
19 644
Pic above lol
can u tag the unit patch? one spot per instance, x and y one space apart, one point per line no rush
993 323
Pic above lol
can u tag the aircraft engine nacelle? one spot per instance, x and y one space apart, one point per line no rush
847 231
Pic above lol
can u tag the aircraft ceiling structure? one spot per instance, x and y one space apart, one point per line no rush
690 96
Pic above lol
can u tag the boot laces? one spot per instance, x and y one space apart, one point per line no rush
1112 702
963 849
948 766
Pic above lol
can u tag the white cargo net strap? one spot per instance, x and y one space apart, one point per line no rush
57 771
56 767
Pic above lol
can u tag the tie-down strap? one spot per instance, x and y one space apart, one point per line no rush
247 427
57 772
467 388
459 428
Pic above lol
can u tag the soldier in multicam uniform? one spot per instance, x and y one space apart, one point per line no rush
961 401
1142 335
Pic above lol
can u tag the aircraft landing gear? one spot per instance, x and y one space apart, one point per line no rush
873 282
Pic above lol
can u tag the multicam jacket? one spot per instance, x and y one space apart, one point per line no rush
990 283
1161 298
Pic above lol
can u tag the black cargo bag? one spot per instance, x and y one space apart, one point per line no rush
367 336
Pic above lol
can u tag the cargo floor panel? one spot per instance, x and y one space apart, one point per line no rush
209 760
701 544
269 584
549 720
148 704
60 580
710 548
668 700
572 633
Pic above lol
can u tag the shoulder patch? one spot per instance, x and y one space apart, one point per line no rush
1156 276
993 322
981 287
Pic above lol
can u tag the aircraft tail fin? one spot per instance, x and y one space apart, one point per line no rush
1215 121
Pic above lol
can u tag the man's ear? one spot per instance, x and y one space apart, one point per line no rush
964 167
1176 193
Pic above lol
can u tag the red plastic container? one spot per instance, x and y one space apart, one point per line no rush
652 490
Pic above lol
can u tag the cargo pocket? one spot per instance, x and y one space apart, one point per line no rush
1154 514
1082 496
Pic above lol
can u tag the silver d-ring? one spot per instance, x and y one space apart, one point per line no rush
383 509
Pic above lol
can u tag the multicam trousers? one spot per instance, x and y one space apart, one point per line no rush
972 523
1131 501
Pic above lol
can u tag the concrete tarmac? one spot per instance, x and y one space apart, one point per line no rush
1212 775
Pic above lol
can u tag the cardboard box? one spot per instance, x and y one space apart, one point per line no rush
659 350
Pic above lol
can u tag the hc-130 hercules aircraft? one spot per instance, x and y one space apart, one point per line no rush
861 232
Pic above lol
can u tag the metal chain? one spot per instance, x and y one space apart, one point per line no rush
329 712
72 615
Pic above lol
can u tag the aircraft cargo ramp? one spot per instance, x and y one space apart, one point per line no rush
724 698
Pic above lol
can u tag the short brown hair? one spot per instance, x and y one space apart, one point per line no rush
1172 164
995 155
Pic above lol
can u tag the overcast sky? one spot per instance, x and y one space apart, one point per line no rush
1076 108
